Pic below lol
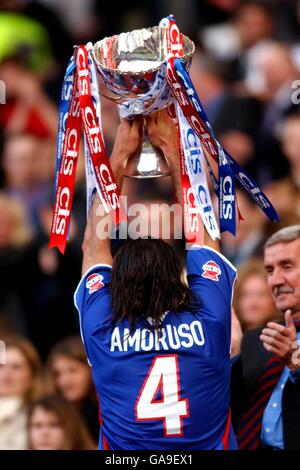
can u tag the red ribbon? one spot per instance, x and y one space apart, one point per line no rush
66 179
192 221
82 112
101 165
190 113
193 117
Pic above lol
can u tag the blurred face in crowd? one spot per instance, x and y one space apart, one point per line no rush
207 82
277 67
44 165
15 375
291 141
46 431
282 263
72 378
239 144
254 24
255 301
19 156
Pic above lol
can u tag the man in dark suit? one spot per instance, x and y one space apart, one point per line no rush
266 375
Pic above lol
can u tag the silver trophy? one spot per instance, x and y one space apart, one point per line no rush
133 68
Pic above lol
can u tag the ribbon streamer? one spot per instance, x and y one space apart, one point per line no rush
201 124
82 112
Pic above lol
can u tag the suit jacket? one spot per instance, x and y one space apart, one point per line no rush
246 371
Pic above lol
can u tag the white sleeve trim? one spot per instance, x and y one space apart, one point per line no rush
99 265
229 264
221 256
95 266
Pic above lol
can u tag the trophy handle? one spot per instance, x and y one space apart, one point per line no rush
151 162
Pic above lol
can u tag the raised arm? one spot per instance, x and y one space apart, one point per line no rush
163 134
96 244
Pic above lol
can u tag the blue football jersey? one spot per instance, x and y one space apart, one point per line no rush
169 390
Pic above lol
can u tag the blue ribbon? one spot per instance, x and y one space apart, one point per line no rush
253 189
228 167
64 106
226 194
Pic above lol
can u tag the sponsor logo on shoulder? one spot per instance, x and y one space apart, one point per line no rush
211 270
94 282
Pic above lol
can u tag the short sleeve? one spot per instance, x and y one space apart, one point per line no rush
211 276
92 299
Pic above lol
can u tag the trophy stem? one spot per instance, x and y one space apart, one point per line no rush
150 163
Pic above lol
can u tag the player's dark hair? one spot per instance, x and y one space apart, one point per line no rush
146 281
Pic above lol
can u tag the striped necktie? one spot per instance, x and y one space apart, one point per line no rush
249 430
248 435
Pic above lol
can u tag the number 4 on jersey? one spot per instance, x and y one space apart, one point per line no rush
163 377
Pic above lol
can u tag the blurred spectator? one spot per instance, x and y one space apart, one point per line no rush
249 238
54 424
265 69
53 279
14 229
225 109
80 21
27 109
26 161
265 378
270 73
130 15
185 13
43 296
253 301
15 237
234 116
70 376
252 24
20 382
286 191
273 68
241 145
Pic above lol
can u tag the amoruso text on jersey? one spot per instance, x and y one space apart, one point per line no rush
170 337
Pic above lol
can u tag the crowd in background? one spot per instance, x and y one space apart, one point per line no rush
246 61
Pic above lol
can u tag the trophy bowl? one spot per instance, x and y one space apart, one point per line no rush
133 68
